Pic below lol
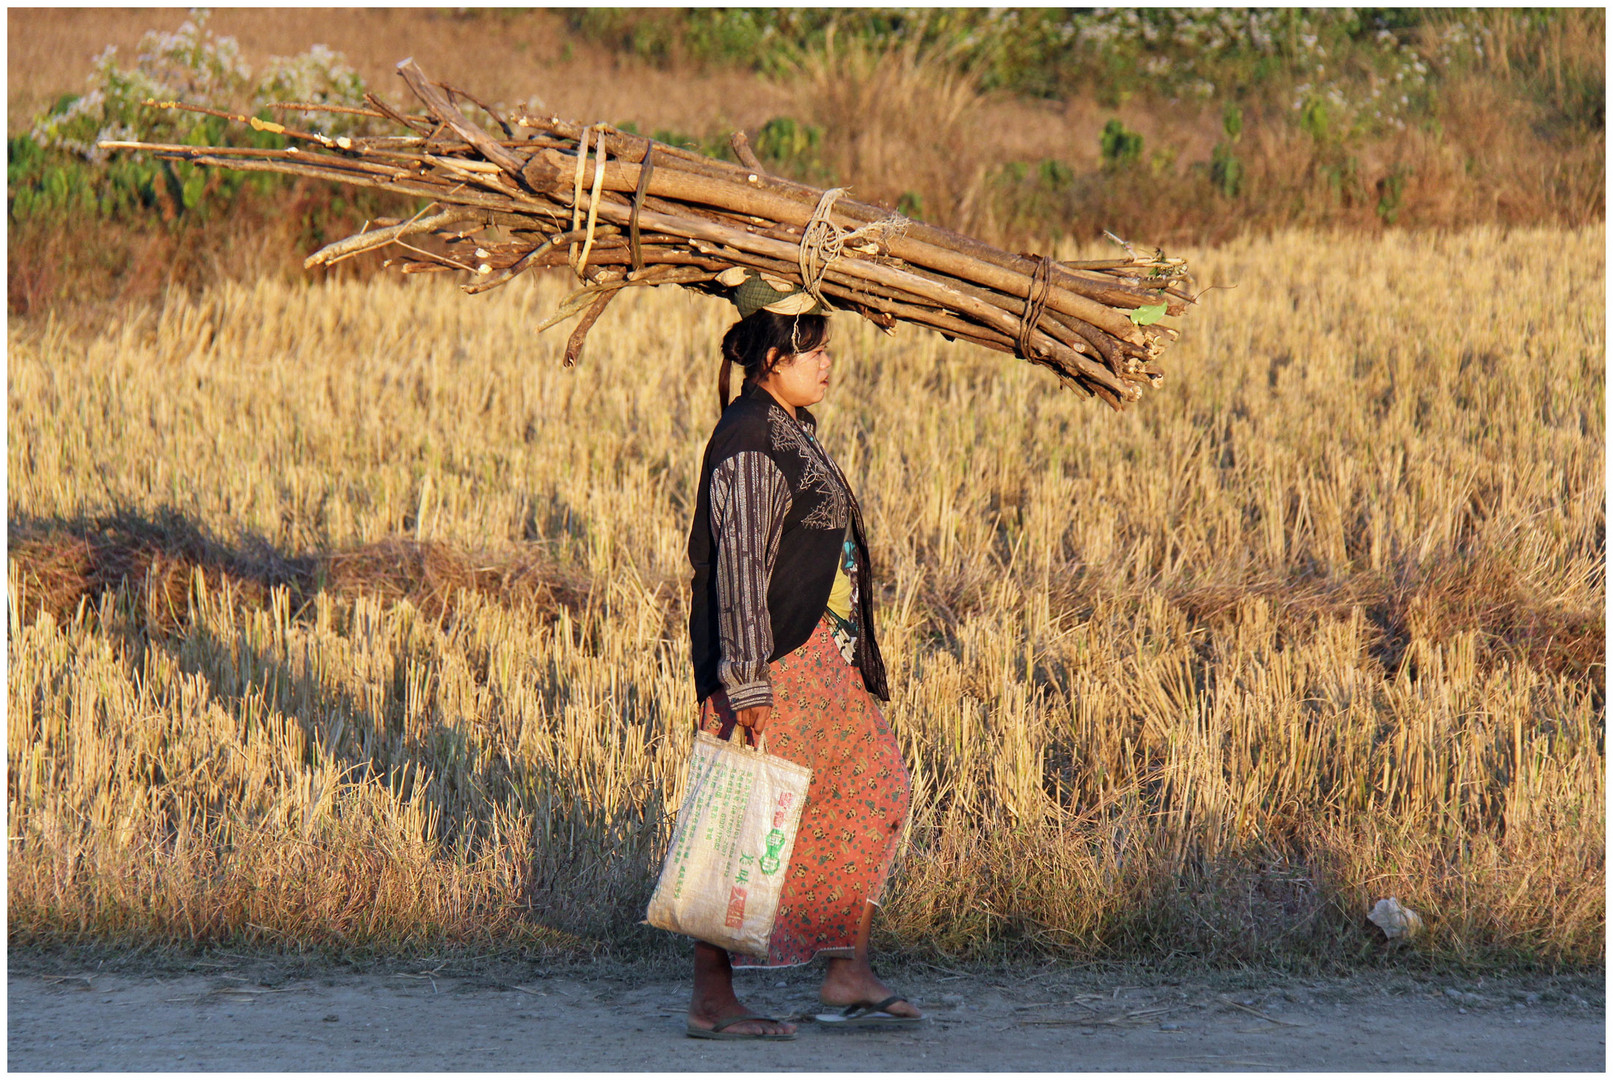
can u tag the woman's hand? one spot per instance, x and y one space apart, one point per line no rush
754 718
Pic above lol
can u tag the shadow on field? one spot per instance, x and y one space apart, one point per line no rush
145 568
1435 602
64 562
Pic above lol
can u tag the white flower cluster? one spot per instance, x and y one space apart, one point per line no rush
193 66
318 76
104 112
1461 41
1363 80
192 58
1212 31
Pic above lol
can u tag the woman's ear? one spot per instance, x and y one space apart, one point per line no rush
773 357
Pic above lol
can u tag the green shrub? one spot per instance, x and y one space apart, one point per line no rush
1226 170
60 168
1119 147
1390 189
794 149
1034 199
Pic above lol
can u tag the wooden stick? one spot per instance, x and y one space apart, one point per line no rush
690 188
524 263
314 106
199 154
240 118
857 212
366 241
672 183
395 116
940 293
747 156
584 324
692 216
443 109
332 167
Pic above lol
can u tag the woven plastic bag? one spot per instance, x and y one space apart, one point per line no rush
731 846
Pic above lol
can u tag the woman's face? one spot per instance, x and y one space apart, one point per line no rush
801 379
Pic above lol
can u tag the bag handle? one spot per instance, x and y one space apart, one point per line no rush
760 740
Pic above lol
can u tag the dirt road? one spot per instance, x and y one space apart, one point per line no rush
252 1017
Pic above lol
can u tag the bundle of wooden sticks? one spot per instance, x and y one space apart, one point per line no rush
623 210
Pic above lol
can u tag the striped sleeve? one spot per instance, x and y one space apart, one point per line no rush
749 498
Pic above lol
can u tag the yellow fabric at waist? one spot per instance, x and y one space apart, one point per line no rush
840 595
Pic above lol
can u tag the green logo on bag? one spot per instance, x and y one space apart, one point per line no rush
775 843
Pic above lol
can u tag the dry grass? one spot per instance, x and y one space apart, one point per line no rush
512 56
907 121
898 122
1320 624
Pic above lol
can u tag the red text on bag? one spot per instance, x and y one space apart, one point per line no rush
784 800
736 908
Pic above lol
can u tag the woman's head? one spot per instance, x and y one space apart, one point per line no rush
777 351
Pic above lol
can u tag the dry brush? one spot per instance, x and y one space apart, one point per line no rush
623 210
1210 676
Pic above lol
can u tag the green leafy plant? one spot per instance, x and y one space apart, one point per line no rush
1054 174
1226 170
1120 147
1232 122
1390 191
1314 120
60 166
794 149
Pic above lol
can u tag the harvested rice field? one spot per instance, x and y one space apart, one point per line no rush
343 617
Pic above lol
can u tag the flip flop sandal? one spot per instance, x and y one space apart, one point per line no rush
719 1030
865 1015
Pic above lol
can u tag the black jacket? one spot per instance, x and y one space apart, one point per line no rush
818 506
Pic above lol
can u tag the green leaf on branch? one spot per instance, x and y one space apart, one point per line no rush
1148 315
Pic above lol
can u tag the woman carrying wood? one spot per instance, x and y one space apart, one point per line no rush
782 641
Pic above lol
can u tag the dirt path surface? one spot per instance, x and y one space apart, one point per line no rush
604 1017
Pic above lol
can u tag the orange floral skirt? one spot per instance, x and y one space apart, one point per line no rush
855 807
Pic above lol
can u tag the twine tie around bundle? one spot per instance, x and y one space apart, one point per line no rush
822 242
579 260
1041 285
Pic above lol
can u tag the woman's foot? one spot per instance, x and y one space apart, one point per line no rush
853 982
706 1016
714 1001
